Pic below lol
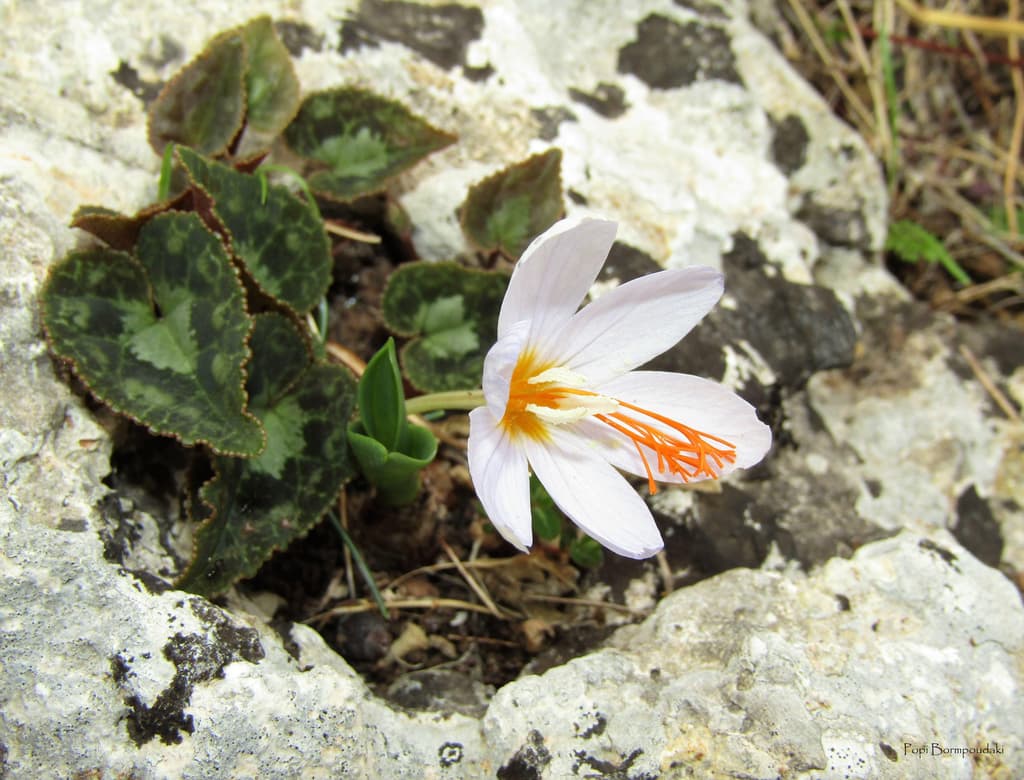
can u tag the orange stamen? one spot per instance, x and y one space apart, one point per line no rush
691 455
682 451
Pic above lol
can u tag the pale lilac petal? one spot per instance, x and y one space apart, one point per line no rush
499 363
698 403
593 495
501 478
637 321
554 274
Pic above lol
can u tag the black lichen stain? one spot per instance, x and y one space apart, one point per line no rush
942 552
737 529
128 77
529 761
549 119
478 73
197 658
609 769
449 754
789 144
703 8
608 100
797 329
441 33
596 729
626 263
976 528
843 602
835 226
667 54
298 36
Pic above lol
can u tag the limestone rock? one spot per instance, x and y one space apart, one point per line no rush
681 121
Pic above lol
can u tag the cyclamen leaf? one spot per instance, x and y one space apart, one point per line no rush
272 88
279 239
360 141
161 337
117 230
453 312
262 504
506 211
203 106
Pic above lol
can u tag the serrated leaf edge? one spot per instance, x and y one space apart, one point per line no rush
494 176
228 238
73 364
318 166
178 74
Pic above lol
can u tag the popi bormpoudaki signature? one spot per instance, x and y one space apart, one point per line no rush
935 749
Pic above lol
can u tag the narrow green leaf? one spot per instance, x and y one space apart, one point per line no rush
381 399
161 337
506 211
281 243
912 243
203 106
454 313
359 140
364 570
262 504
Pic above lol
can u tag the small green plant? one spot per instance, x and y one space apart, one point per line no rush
196 320
190 319
912 243
389 449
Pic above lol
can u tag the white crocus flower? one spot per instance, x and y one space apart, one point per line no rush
563 399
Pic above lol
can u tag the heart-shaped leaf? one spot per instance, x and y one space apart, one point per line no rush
242 80
161 337
360 140
506 211
279 239
262 504
453 312
203 106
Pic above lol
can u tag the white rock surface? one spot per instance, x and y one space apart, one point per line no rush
842 672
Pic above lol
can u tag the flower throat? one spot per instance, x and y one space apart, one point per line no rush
542 394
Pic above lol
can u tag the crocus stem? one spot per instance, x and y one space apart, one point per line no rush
449 401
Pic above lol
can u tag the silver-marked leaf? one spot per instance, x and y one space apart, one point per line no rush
279 239
506 211
271 86
161 337
262 504
359 141
203 106
453 313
